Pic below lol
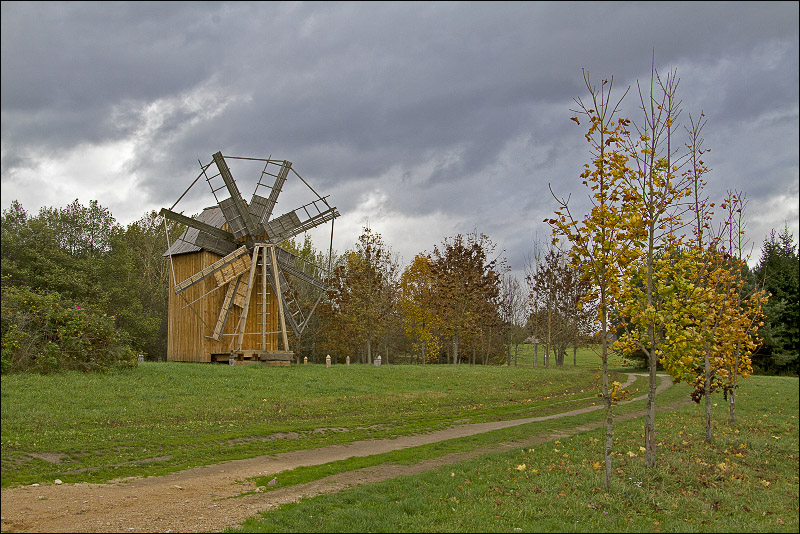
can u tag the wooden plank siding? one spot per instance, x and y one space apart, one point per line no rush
189 340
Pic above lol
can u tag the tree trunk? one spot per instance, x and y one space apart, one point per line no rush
707 386
650 410
535 353
575 356
369 350
455 348
607 400
732 405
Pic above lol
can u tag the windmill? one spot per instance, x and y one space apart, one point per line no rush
228 260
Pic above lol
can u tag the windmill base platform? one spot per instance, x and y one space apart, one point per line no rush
244 357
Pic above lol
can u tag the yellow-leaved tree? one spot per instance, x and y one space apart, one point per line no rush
603 242
422 324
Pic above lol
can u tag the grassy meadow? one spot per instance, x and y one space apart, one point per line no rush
163 417
746 480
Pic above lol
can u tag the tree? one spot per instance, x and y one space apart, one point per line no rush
778 270
602 242
417 297
512 312
659 191
81 254
467 286
363 291
563 303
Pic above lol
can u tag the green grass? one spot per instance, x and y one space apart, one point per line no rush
746 480
468 444
165 417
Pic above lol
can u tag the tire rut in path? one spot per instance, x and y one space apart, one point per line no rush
196 500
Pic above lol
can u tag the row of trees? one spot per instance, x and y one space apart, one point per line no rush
455 304
83 258
669 279
443 307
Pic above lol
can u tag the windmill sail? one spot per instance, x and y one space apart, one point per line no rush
261 207
235 210
300 220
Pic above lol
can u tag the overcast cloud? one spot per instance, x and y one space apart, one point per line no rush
423 120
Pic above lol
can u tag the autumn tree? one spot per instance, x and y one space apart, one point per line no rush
562 303
513 306
417 304
467 287
660 189
602 242
363 291
711 329
749 297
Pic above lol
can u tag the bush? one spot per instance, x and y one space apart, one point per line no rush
45 333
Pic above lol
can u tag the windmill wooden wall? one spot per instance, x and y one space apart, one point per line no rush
188 338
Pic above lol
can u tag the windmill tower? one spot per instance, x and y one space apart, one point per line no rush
233 293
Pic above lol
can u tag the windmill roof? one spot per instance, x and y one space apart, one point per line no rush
186 242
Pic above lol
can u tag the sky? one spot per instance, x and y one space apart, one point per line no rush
421 120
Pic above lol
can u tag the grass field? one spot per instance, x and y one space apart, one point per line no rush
164 417
745 481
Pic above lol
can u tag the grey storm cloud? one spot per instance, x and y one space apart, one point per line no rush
452 109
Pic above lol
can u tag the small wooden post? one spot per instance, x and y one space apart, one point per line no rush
328 360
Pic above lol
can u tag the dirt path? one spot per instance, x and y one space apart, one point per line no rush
195 500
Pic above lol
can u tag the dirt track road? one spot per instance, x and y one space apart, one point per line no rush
195 500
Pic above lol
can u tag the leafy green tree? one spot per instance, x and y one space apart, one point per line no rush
83 255
777 271
315 263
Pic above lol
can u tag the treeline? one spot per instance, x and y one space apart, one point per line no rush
444 307
82 291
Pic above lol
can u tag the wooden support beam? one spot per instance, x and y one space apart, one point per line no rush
276 276
243 318
264 298
210 270
226 309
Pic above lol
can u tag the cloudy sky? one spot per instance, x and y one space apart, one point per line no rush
423 120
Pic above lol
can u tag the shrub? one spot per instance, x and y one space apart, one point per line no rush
45 333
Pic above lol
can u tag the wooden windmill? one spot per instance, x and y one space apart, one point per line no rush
233 286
